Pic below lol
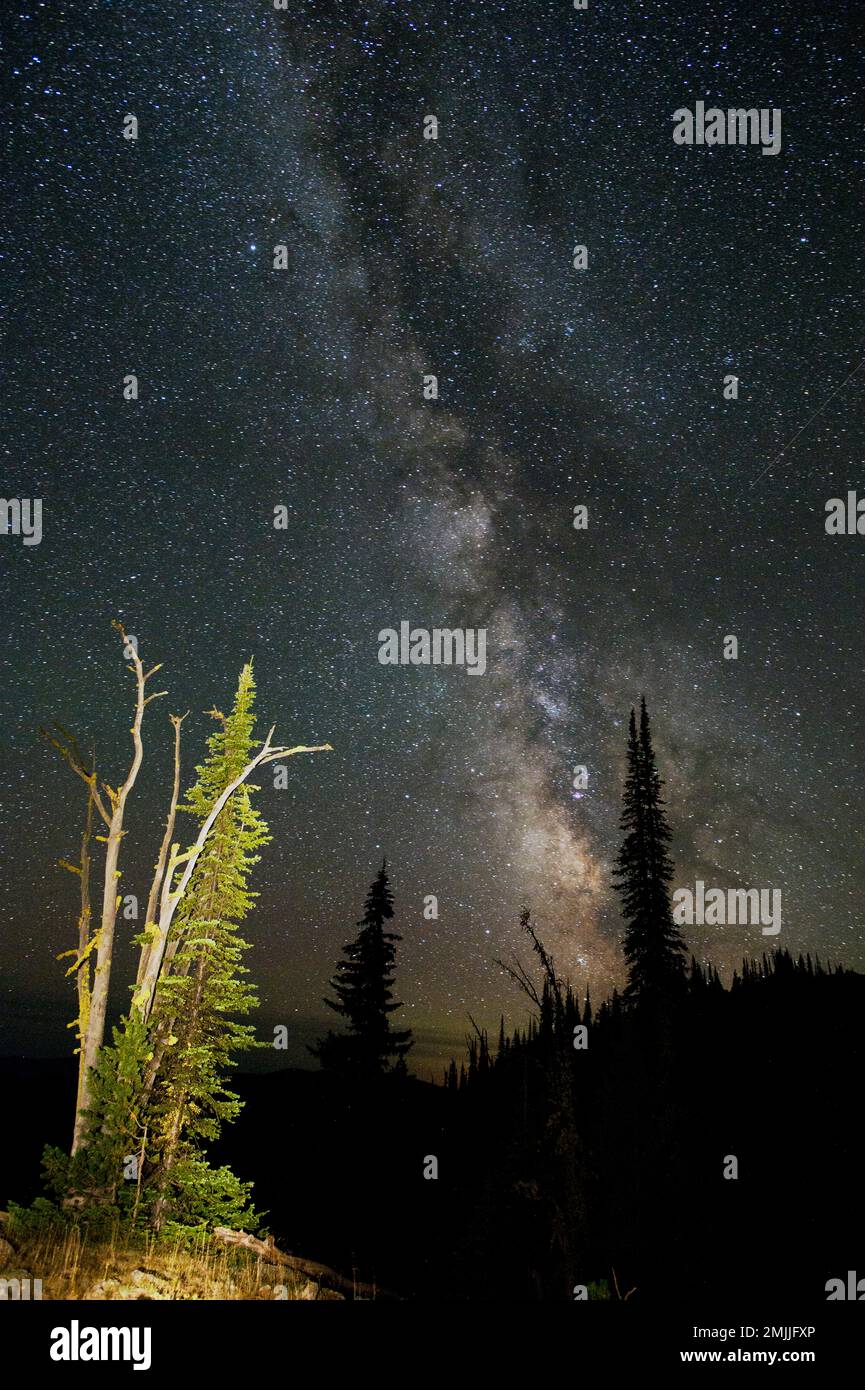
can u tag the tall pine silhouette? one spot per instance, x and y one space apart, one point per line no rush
653 945
363 985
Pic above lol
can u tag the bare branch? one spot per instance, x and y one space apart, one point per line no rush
71 754
517 973
480 1034
290 752
538 947
86 943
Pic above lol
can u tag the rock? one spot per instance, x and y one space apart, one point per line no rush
105 1288
142 1284
7 1251
16 1272
142 1277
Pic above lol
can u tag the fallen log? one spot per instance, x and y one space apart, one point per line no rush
322 1274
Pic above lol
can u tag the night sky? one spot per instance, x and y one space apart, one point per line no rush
303 388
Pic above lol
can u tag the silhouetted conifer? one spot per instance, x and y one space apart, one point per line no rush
363 986
653 944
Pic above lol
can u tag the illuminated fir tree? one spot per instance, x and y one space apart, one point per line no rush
203 989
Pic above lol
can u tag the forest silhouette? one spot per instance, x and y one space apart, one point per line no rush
684 1139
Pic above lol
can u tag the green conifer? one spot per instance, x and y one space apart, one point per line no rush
203 990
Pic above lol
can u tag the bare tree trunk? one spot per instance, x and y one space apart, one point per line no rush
159 868
165 1028
81 965
169 1156
83 975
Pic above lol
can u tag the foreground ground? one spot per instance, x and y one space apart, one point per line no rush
70 1267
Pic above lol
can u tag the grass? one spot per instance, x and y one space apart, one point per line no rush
72 1267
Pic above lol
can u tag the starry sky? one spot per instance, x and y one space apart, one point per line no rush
303 388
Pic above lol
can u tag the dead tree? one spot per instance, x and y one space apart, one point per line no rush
112 816
520 976
322 1274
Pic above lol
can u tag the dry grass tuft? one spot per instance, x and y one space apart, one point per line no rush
73 1268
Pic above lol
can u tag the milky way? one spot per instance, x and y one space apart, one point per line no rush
303 389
